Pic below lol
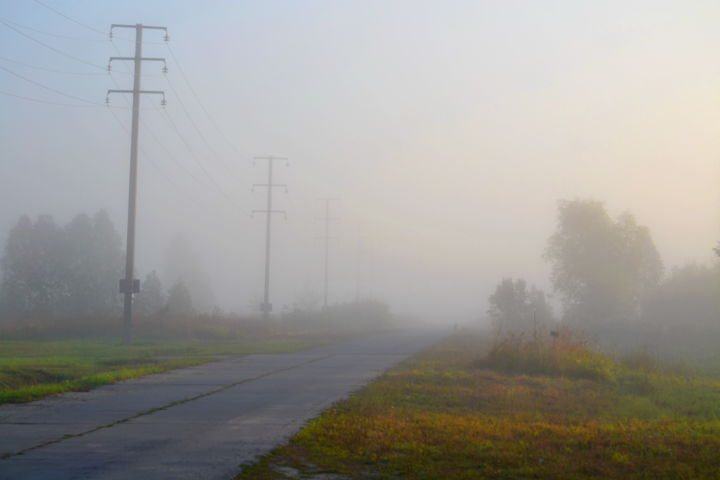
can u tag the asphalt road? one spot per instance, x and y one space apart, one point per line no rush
196 423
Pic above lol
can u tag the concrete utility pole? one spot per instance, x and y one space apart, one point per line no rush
266 306
327 219
129 285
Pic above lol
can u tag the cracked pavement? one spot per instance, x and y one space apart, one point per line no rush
199 422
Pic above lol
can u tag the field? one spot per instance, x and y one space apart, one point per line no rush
40 361
513 409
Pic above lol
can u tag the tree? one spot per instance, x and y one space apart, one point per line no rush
514 307
69 271
31 269
687 298
91 266
151 298
602 268
179 302
182 263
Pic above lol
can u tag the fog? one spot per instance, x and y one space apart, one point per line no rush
448 131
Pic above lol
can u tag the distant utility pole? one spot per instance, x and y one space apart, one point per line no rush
266 306
129 285
326 264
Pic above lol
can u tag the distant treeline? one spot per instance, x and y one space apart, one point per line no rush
608 277
73 271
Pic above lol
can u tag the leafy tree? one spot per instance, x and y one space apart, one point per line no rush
602 268
92 265
151 298
514 307
32 276
689 295
70 271
179 302
182 263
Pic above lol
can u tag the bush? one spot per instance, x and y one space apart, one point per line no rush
566 355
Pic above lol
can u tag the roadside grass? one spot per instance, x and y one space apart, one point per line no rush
30 370
513 409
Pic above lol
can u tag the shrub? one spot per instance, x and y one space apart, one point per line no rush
566 355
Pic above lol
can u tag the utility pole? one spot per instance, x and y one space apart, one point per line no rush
266 306
129 285
326 264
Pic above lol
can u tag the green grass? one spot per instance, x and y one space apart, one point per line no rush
30 370
514 410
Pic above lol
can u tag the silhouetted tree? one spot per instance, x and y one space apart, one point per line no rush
514 307
32 279
688 297
181 262
179 302
151 298
73 271
92 265
602 268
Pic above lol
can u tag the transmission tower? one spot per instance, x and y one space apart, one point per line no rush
326 238
266 306
129 285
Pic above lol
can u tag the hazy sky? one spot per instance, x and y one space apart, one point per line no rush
448 129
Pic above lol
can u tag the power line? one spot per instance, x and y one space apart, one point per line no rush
172 157
195 126
167 151
194 156
197 99
57 12
45 69
50 89
49 47
157 166
55 35
37 100
174 127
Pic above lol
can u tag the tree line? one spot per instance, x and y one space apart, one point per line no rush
607 272
73 271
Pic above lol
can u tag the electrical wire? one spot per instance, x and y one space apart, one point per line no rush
54 35
50 89
49 47
166 115
197 99
51 70
57 12
37 100
159 169
195 126
195 157
167 151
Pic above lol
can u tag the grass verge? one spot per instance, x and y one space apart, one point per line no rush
513 410
30 370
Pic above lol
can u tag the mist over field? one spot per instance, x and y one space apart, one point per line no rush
351 239
447 131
